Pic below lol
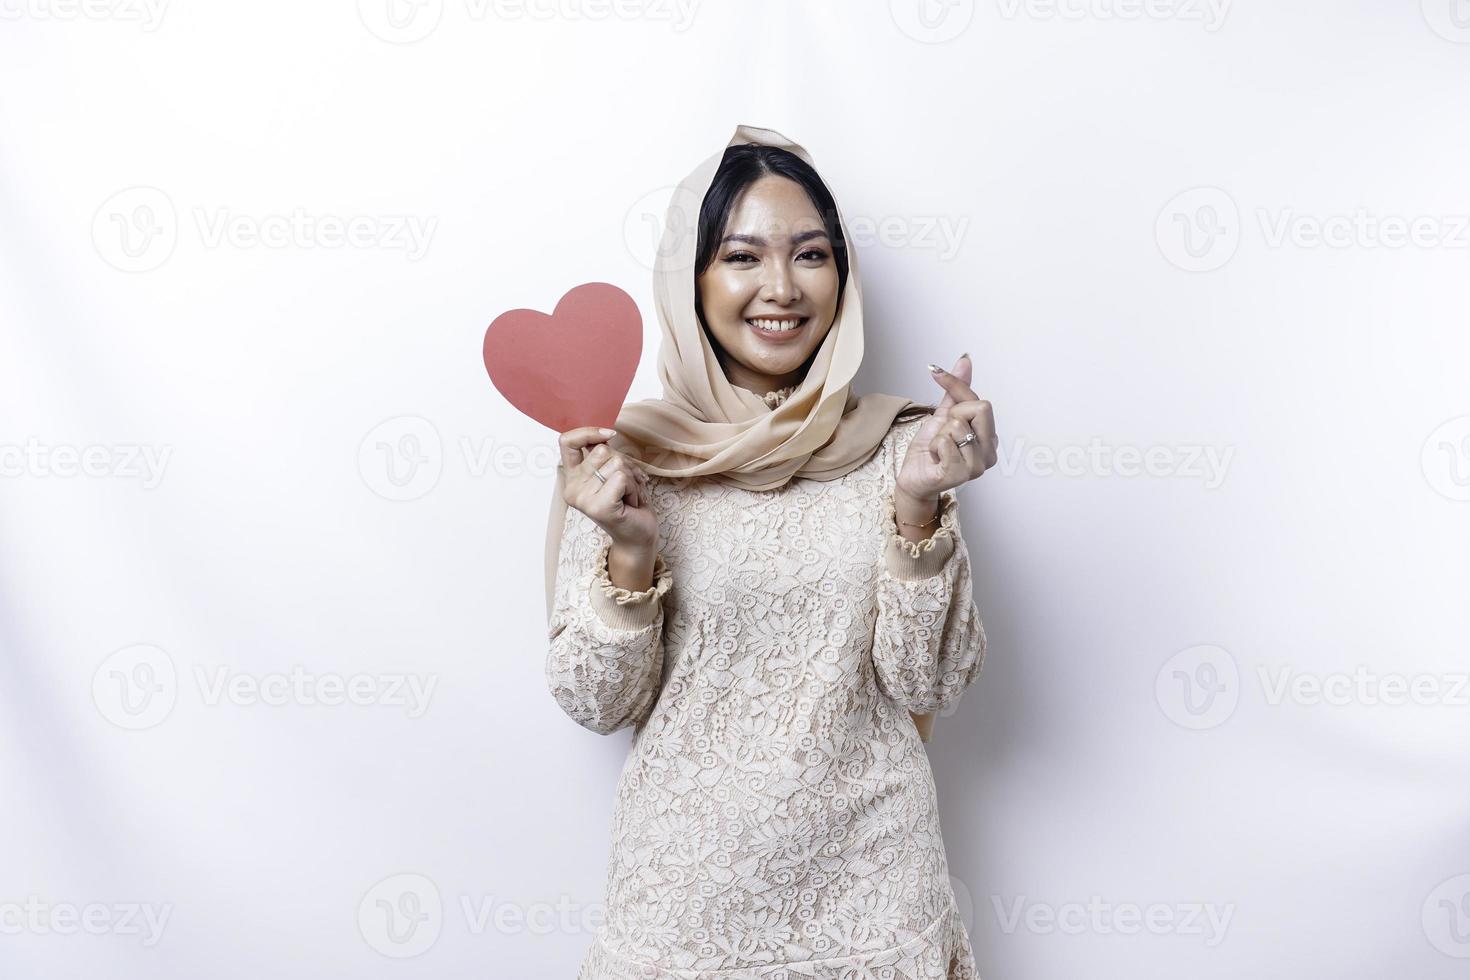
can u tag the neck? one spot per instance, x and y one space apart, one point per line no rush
757 381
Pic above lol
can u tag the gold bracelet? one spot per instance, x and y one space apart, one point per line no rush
939 510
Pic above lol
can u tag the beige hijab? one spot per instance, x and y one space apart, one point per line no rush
704 425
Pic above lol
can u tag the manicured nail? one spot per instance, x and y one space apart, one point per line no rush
608 432
935 368
964 356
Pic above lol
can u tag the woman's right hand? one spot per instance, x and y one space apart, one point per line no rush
619 506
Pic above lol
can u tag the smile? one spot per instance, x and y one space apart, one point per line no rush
774 327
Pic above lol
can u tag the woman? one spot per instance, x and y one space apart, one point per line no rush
762 574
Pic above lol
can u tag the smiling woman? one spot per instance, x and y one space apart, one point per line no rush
762 574
769 290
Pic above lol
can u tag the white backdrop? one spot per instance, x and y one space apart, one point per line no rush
271 621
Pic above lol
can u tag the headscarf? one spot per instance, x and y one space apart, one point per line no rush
704 425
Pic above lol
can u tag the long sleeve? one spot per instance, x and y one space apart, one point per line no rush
605 661
929 642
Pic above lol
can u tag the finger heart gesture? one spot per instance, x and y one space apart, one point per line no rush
954 445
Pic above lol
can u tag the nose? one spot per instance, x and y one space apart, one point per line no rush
778 286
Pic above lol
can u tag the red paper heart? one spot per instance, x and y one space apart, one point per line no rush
571 368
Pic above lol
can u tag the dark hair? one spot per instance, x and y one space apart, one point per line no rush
741 166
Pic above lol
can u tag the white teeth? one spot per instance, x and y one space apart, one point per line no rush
778 325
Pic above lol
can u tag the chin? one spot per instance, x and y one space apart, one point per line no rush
784 363
739 343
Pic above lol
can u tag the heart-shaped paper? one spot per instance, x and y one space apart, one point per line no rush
571 368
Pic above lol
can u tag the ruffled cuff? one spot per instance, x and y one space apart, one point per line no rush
623 608
912 560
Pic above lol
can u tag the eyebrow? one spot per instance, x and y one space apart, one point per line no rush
796 239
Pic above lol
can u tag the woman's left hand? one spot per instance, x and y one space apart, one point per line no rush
935 460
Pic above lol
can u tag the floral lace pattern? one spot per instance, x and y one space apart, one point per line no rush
775 398
776 817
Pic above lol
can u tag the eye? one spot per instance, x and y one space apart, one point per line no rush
815 253
735 257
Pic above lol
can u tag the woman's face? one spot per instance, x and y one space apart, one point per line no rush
770 294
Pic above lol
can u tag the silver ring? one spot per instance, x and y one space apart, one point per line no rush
969 438
598 474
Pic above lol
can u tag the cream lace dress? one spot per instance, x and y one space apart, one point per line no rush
776 816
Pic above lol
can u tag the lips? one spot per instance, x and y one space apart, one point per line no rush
776 326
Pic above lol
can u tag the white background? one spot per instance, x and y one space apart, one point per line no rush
1111 207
